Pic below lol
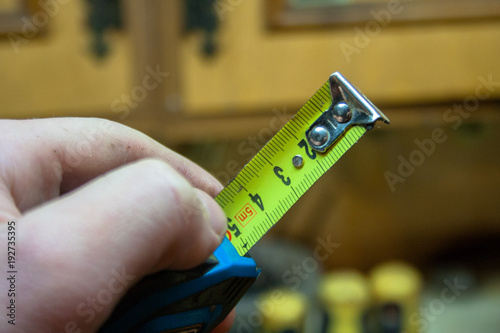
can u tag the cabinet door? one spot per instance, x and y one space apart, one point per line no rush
47 67
258 68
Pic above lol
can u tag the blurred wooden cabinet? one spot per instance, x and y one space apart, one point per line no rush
47 67
257 68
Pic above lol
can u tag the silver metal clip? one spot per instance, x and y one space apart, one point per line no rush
349 107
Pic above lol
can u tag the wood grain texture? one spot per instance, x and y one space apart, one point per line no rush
56 74
281 14
260 69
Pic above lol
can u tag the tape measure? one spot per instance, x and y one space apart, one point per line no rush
195 301
294 159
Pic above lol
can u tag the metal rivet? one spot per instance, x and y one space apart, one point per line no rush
297 161
342 112
319 135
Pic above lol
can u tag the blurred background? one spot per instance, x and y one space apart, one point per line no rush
211 79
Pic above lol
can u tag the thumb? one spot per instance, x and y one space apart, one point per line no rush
90 246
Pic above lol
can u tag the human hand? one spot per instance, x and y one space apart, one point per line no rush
96 206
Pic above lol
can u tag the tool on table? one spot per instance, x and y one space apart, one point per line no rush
283 311
278 175
396 288
345 297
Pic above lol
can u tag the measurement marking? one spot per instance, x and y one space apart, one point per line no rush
249 172
273 214
270 148
244 177
267 215
240 180
262 230
306 113
308 110
291 200
317 174
286 129
304 186
227 196
258 161
275 145
230 200
316 105
297 129
325 89
280 140
335 156
326 95
300 120
286 205
317 100
222 201
285 135
220 196
321 166
296 195
247 175
269 221
255 168
251 168
262 161
258 229
314 109
265 158
232 189
309 181
254 238
254 164
240 186
280 207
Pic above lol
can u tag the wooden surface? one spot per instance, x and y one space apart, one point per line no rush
281 14
55 74
258 69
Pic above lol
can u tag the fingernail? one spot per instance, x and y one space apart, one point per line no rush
216 215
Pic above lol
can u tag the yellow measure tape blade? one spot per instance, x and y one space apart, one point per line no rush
270 184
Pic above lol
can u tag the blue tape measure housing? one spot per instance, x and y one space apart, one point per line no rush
193 301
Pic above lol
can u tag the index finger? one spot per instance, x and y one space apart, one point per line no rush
57 155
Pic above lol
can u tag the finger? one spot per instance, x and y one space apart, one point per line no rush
8 208
226 324
139 219
46 157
